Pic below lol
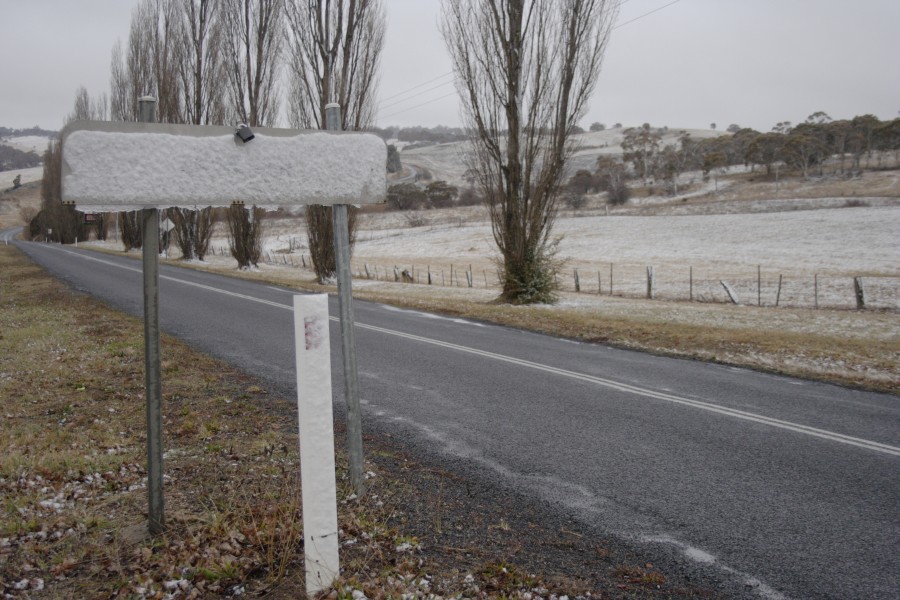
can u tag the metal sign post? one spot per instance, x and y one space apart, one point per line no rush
153 392
340 223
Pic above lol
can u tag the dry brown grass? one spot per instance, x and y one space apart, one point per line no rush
855 349
26 199
747 187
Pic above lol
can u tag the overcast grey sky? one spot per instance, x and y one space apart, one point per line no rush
750 62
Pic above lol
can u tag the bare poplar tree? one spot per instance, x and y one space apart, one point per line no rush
200 74
200 65
64 222
252 48
147 66
244 238
92 109
89 108
525 70
253 38
334 48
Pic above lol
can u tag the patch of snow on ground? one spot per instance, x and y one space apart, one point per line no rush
27 143
28 175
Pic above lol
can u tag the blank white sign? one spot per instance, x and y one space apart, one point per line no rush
128 166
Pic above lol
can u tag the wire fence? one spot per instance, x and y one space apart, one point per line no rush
754 286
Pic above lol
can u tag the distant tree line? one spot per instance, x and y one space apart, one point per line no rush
437 194
13 158
36 130
811 148
438 135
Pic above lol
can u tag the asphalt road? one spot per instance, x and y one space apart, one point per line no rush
778 487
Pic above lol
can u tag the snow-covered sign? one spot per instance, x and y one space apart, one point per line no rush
127 166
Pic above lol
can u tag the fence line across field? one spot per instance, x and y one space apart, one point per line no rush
749 286
753 286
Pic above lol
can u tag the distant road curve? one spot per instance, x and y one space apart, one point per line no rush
412 177
8 235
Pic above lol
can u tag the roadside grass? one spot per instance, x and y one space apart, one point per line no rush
741 336
73 482
858 349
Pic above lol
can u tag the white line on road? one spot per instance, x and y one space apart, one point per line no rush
608 383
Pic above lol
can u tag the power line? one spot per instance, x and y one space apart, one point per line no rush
647 14
402 100
418 105
415 87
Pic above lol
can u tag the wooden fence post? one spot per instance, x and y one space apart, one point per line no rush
778 295
650 283
577 282
758 285
859 292
610 279
731 293
816 289
691 283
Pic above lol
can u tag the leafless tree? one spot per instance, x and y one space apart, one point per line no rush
193 231
252 45
245 234
63 222
130 230
525 70
200 65
89 108
252 42
334 49
55 222
201 84
149 66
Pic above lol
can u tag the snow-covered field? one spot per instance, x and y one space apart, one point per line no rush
447 161
28 175
806 248
27 143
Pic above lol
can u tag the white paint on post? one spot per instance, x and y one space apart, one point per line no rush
317 475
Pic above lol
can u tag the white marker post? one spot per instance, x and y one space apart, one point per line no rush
319 492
